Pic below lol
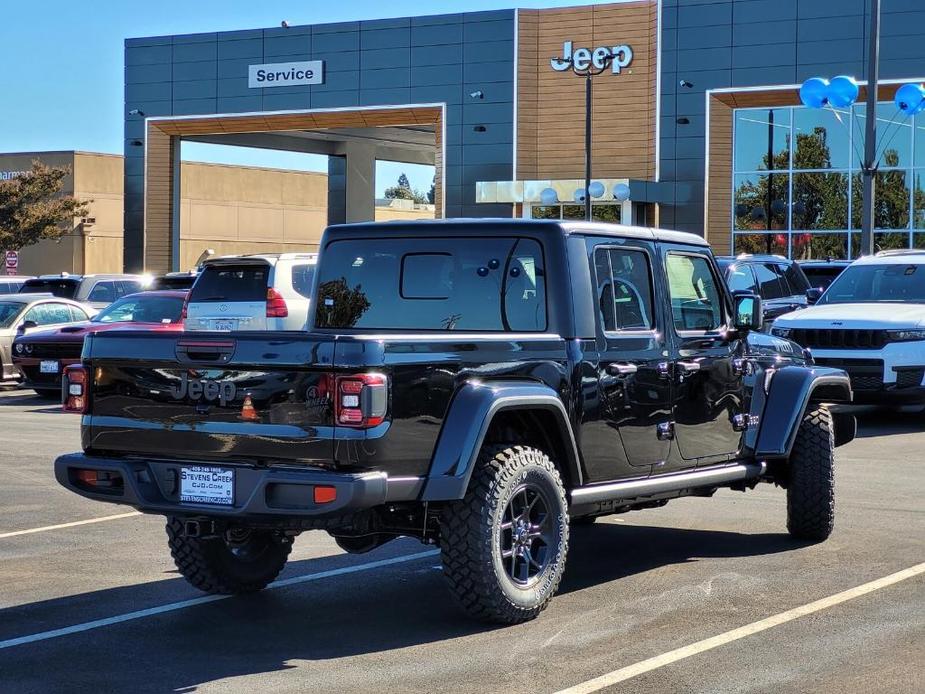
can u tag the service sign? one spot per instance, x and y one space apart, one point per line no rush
285 74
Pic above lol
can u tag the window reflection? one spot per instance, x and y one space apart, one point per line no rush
891 200
761 201
820 201
760 243
819 246
894 139
820 140
762 139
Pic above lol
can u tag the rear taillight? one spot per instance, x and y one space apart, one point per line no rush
361 400
75 386
276 304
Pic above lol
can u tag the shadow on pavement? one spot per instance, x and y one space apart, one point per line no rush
370 612
872 423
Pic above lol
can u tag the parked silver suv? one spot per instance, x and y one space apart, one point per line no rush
253 292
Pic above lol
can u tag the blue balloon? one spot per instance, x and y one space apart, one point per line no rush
815 92
910 99
579 195
596 188
549 196
621 192
843 91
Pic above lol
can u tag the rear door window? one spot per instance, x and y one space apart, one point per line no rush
302 277
480 284
245 282
624 281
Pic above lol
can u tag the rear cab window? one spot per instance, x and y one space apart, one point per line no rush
485 284
244 282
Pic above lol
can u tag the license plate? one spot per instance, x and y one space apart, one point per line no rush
207 485
224 325
48 367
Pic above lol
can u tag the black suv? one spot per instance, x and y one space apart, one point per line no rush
481 385
779 282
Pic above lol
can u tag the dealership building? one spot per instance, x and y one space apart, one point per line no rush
698 115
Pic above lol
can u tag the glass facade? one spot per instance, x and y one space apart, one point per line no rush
797 181
600 212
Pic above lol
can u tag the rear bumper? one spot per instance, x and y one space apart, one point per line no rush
33 377
271 493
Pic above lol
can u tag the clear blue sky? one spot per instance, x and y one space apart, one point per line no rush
61 81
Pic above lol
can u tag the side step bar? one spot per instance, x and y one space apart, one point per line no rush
707 477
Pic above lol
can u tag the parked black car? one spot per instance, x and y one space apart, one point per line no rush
821 273
476 384
779 282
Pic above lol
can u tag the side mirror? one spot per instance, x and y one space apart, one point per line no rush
26 325
812 295
748 315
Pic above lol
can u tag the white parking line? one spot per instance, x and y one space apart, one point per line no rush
204 600
69 525
644 666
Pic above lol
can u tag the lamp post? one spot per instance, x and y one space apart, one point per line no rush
870 132
586 64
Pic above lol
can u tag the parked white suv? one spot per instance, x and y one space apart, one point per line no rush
252 292
871 323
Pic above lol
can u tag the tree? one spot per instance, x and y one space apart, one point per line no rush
339 306
31 208
403 191
432 193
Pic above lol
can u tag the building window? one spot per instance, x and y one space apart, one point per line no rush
797 181
600 212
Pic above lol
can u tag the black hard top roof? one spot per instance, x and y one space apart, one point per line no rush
431 227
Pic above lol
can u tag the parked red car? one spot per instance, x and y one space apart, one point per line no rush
42 355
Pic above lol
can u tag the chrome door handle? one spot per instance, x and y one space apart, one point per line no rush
688 367
622 369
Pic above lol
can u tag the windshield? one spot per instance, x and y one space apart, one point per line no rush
8 312
883 283
65 289
484 284
142 309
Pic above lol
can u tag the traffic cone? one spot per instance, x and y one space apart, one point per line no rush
247 410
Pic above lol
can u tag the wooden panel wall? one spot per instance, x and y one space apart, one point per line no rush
551 104
161 136
718 225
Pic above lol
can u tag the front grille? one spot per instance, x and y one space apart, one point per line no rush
56 350
866 382
865 374
839 339
909 378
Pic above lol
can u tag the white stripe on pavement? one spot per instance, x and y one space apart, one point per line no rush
644 666
204 600
70 525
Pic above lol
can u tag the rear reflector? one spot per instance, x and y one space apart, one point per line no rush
276 304
325 495
76 388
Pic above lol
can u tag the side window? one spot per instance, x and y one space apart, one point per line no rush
77 314
302 276
57 313
37 314
128 287
740 278
796 279
696 302
624 289
103 292
769 281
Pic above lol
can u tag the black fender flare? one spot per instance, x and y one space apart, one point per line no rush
789 394
466 425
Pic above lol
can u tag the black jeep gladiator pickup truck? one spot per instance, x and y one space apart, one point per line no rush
478 384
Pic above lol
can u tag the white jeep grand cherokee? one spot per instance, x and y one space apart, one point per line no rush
871 323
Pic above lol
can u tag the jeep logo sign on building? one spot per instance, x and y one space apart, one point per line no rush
583 58
285 74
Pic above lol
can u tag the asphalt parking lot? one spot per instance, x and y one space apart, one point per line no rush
99 607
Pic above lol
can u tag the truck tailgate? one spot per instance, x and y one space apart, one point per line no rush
255 396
